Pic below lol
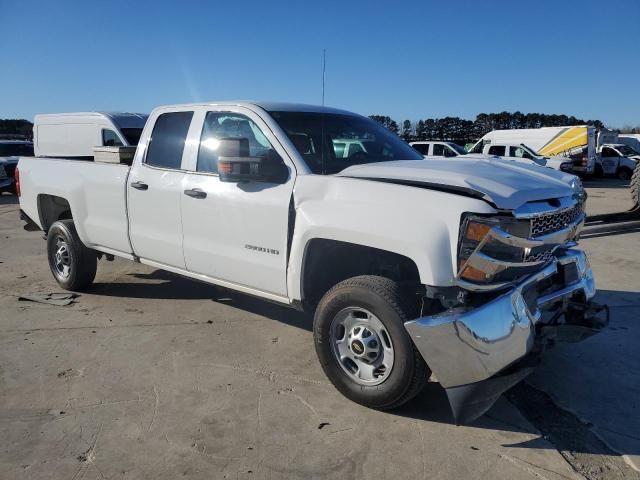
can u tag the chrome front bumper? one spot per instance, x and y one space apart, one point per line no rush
471 346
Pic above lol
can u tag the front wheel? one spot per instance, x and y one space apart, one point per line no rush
72 264
362 343
624 173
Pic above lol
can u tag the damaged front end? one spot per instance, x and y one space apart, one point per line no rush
522 287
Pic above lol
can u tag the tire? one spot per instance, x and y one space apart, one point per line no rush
367 298
598 172
635 186
624 173
65 249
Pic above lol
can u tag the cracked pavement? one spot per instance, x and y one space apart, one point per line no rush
150 375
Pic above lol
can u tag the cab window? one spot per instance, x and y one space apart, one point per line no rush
498 150
609 152
167 140
219 126
422 148
438 150
110 138
519 152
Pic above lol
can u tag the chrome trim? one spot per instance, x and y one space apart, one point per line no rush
463 347
492 266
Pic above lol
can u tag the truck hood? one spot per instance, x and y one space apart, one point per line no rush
505 184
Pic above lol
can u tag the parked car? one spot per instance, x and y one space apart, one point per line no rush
438 149
10 151
465 268
575 145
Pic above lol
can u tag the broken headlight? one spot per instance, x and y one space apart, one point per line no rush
496 255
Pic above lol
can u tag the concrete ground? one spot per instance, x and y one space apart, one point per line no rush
149 375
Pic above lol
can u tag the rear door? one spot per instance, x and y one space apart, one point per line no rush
155 190
236 232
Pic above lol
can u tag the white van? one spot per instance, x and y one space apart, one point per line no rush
74 135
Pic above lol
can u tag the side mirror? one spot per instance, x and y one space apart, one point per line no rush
236 166
268 169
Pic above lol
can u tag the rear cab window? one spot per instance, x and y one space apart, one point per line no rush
438 150
167 141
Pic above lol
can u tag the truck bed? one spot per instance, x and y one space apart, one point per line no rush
95 192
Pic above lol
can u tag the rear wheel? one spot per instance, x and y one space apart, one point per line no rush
362 343
72 264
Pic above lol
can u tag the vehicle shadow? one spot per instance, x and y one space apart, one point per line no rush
166 285
579 365
8 199
605 183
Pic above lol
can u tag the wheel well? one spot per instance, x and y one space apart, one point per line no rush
328 262
51 209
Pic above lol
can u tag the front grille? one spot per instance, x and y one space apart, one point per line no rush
552 222
543 256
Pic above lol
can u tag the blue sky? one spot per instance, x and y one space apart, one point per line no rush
406 59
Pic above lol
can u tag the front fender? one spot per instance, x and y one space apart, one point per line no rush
417 223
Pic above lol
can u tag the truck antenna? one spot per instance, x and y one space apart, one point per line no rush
324 70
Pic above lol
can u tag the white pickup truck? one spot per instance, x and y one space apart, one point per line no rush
466 269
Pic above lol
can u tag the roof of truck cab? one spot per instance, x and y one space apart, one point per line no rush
267 105
121 119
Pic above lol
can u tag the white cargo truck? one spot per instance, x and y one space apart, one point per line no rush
464 268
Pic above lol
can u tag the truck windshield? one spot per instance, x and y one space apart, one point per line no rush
331 142
626 151
132 135
460 150
531 151
16 150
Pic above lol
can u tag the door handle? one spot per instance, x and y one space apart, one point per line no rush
195 193
140 186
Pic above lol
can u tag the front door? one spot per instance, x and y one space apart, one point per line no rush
610 160
236 232
155 190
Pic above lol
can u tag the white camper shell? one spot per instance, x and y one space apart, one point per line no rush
74 135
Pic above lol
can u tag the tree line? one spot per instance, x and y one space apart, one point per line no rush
454 129
462 131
